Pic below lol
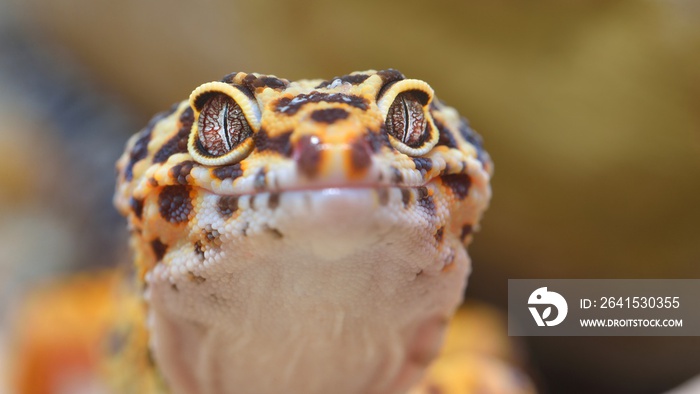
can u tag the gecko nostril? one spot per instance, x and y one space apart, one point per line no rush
307 154
329 115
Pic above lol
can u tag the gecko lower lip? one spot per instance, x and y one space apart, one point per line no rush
328 189
331 204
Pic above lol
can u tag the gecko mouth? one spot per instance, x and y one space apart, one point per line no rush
383 193
362 198
328 188
329 222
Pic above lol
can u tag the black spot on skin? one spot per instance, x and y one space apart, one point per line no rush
473 138
259 181
422 192
308 155
390 75
329 115
469 134
178 143
377 140
174 287
195 278
199 250
425 200
271 82
445 137
252 82
245 91
360 156
273 201
137 206
383 194
405 197
275 232
229 78
439 234
175 203
423 164
138 152
458 183
210 233
419 273
466 230
396 176
231 171
389 78
159 249
290 106
280 143
251 203
354 79
179 172
140 149
227 205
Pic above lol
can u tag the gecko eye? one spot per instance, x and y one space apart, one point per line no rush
406 120
404 106
225 119
221 126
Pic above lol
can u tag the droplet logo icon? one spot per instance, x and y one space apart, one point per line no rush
543 297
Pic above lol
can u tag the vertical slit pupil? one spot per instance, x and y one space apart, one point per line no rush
407 116
224 116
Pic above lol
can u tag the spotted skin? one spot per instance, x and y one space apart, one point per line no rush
320 229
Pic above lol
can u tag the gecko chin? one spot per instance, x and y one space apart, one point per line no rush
363 266
335 222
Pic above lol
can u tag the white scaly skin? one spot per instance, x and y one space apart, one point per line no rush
321 256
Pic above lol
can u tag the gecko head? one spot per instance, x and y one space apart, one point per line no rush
369 147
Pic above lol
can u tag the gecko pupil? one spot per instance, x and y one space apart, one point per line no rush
221 125
406 119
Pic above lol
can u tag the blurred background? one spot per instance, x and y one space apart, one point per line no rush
590 110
